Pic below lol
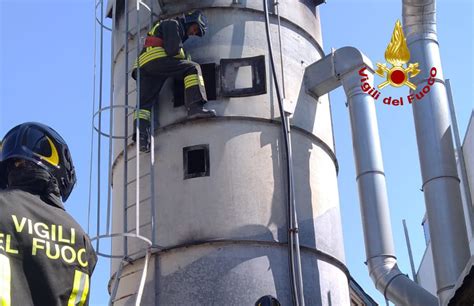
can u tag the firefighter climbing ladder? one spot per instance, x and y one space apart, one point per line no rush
135 244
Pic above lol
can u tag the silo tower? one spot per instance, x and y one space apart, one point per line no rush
210 226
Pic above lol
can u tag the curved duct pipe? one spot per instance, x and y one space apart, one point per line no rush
347 66
441 188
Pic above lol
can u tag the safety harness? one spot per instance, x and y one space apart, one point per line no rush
154 49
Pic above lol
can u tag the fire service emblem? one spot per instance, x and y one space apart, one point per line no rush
398 75
397 54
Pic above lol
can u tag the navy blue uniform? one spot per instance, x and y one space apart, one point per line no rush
45 256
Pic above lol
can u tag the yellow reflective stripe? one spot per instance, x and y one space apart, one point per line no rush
194 77
181 54
152 53
189 83
80 289
75 289
152 31
5 280
186 83
142 114
191 77
193 80
143 117
85 292
196 83
146 57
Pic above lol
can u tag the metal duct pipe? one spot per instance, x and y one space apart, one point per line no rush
346 66
296 277
441 188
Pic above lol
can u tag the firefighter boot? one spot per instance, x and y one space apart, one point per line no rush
144 132
196 110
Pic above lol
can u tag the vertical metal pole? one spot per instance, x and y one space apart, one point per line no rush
294 216
410 254
91 162
152 159
118 274
460 154
293 240
152 177
141 286
100 118
137 130
111 126
125 141
277 4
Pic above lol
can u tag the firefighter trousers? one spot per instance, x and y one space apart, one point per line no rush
154 74
152 77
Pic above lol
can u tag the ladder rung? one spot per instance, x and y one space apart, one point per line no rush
134 205
141 226
123 297
142 176
131 91
134 180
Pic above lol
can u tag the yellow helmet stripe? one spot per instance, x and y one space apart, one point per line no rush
53 159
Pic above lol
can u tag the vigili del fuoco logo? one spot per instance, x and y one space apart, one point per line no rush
399 74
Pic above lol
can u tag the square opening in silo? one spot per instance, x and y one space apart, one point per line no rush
196 161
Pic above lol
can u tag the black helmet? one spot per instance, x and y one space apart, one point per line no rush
267 300
40 144
199 18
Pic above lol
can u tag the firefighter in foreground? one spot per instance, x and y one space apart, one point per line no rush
45 256
162 57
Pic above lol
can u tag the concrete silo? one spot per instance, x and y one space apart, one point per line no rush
213 195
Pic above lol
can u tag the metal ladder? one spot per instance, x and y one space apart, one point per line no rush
101 112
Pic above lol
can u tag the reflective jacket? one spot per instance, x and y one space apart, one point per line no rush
45 256
173 36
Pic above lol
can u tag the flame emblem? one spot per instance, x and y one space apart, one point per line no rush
397 54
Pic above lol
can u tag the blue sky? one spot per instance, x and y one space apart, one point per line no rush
46 66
